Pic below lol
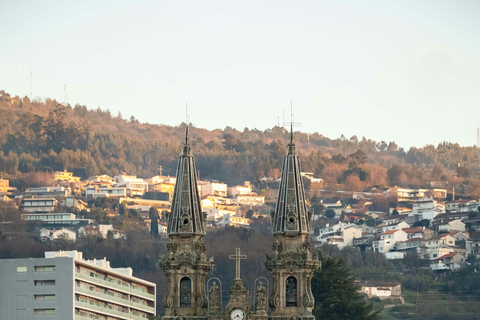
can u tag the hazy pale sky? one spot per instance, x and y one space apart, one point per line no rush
404 71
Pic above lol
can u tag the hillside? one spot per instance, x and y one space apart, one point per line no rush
45 135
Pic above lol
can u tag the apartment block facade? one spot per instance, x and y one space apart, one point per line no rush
65 286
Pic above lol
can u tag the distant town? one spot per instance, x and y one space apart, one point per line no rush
442 232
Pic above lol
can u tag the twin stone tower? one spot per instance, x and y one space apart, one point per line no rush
291 263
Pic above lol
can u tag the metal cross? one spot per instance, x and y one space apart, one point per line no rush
238 257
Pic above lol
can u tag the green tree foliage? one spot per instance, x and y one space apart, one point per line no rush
336 295
39 136
422 223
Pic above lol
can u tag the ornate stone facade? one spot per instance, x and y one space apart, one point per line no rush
292 264
186 265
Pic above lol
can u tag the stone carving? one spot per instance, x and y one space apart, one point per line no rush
291 218
185 220
261 297
214 297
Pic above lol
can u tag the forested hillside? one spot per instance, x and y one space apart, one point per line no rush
43 135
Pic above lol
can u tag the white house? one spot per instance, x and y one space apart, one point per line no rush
233 221
425 208
399 226
388 240
245 189
449 261
213 188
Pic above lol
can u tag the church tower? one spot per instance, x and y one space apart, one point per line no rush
186 265
292 264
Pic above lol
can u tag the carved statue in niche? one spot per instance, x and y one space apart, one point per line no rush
214 296
261 297
185 292
291 292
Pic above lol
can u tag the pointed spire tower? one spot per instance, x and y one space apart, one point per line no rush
292 264
186 265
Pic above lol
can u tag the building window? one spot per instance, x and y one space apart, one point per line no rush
44 282
291 292
42 297
43 311
185 292
21 269
44 268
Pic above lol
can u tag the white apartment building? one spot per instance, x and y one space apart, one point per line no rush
213 188
65 286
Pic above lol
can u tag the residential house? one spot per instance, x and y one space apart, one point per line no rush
213 188
47 192
382 290
450 226
425 208
419 232
101 180
245 189
251 199
39 205
412 244
57 219
5 188
65 176
395 219
364 242
388 239
447 262
50 235
93 192
399 226
233 221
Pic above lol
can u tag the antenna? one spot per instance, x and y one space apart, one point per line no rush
478 137
292 122
186 123
23 78
31 77
65 93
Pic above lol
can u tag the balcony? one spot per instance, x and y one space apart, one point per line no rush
124 302
120 287
101 309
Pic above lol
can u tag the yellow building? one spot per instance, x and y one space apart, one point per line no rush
66 176
5 188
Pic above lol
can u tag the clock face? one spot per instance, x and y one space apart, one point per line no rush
237 314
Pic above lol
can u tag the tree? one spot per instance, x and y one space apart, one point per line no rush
330 214
422 223
395 212
336 295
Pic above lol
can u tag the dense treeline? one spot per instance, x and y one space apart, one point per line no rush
47 136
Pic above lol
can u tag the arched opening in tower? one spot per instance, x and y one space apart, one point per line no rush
291 292
185 292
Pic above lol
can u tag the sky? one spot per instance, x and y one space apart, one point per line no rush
405 71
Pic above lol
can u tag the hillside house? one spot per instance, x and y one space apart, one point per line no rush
398 226
382 290
447 262
419 232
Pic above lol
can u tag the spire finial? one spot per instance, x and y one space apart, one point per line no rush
186 124
291 122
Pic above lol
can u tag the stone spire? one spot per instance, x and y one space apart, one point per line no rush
292 264
291 216
186 265
186 218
